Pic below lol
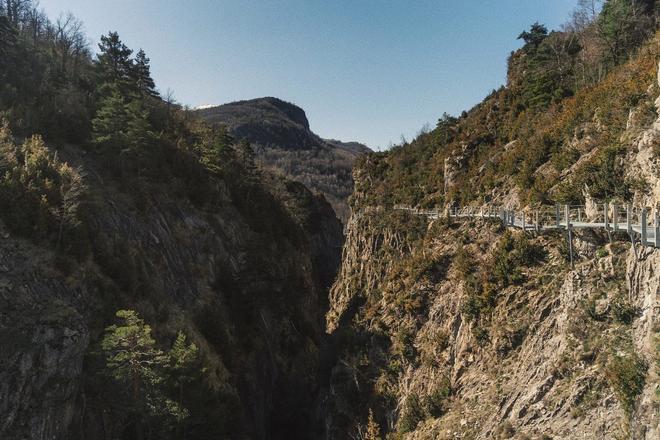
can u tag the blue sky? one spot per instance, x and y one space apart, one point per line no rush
364 70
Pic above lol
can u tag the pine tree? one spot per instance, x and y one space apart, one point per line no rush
624 25
114 65
537 33
184 367
142 75
111 120
216 149
247 155
134 360
139 133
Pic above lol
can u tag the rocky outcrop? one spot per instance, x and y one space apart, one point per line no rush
44 337
246 278
540 363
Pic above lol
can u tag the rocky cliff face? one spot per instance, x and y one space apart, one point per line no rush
245 277
449 330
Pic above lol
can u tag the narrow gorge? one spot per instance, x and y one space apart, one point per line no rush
223 272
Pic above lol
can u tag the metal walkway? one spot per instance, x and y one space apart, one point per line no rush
637 222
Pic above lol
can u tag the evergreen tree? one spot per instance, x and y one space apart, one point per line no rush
537 33
184 368
623 25
142 75
114 65
216 148
111 120
134 360
139 134
247 155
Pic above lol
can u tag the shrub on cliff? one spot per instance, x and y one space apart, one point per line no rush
39 195
626 374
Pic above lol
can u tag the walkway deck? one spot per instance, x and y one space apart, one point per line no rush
637 222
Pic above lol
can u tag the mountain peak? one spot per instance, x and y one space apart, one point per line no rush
285 141
266 106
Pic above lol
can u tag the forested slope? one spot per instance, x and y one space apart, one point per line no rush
143 293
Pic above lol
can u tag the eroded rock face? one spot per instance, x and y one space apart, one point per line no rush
250 290
453 166
643 277
548 357
44 337
537 364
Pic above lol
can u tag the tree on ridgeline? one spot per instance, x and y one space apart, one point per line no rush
8 54
624 25
114 65
14 10
122 121
142 76
535 36
8 40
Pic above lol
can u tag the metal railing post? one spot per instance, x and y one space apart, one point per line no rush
656 224
615 217
629 218
538 226
557 217
567 214
643 225
607 225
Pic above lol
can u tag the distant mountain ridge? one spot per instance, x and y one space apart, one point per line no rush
280 130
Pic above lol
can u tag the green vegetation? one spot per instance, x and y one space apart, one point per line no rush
623 311
419 409
413 413
502 269
40 196
626 374
122 192
146 373
51 85
568 96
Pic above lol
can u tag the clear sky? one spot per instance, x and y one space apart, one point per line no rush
364 70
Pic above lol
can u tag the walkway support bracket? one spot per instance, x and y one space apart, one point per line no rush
643 226
656 225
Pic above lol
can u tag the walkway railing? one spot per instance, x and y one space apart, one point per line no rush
636 221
